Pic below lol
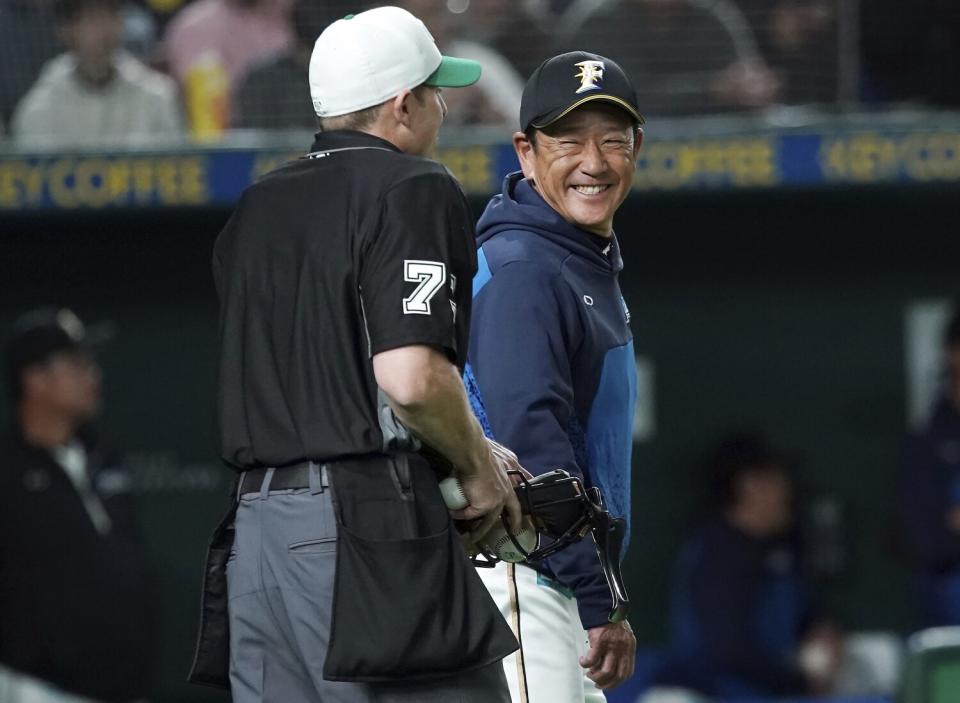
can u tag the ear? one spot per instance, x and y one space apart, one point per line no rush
400 107
525 154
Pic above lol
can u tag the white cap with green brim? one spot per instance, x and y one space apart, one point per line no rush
366 59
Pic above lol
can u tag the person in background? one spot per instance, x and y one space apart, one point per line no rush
495 98
270 96
95 95
27 41
910 51
74 603
740 619
930 495
518 31
798 38
211 44
685 56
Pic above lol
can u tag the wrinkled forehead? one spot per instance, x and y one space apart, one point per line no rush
592 117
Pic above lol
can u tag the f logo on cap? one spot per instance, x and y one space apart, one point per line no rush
590 73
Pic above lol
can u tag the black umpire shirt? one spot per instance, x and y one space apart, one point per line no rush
353 250
75 604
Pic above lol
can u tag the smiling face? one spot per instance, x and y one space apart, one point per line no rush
583 164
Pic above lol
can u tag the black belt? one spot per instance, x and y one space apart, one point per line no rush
288 477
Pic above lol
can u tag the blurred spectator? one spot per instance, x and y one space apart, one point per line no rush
495 98
272 94
211 44
95 94
513 29
799 39
74 607
162 11
911 50
27 41
930 494
684 56
741 624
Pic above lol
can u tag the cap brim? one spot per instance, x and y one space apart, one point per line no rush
454 73
549 119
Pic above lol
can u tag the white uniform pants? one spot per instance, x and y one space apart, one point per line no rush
545 620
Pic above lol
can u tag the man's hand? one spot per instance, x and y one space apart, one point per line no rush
820 657
489 493
426 394
953 519
612 654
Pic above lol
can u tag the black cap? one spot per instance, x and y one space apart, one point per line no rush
569 80
39 334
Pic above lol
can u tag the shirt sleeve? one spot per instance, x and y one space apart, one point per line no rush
523 333
925 498
31 119
421 251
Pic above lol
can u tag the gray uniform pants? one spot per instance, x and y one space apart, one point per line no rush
280 580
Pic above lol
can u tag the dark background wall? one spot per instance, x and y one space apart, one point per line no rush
781 311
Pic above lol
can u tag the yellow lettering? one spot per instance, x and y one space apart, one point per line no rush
91 182
168 186
9 184
61 179
862 158
193 179
118 182
471 166
143 180
34 184
932 157
659 166
744 162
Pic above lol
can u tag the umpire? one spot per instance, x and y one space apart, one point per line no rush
344 281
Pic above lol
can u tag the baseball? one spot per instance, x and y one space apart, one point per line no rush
498 542
452 493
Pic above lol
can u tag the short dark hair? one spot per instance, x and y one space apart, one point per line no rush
951 334
69 10
361 119
531 135
738 454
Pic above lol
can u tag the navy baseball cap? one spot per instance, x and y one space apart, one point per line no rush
565 82
40 334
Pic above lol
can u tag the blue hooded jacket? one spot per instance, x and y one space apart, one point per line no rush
929 489
551 371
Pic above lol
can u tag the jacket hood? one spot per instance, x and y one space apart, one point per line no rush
520 207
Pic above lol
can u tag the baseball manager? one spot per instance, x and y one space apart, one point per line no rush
551 368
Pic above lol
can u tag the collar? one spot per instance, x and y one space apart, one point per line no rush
606 248
345 139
